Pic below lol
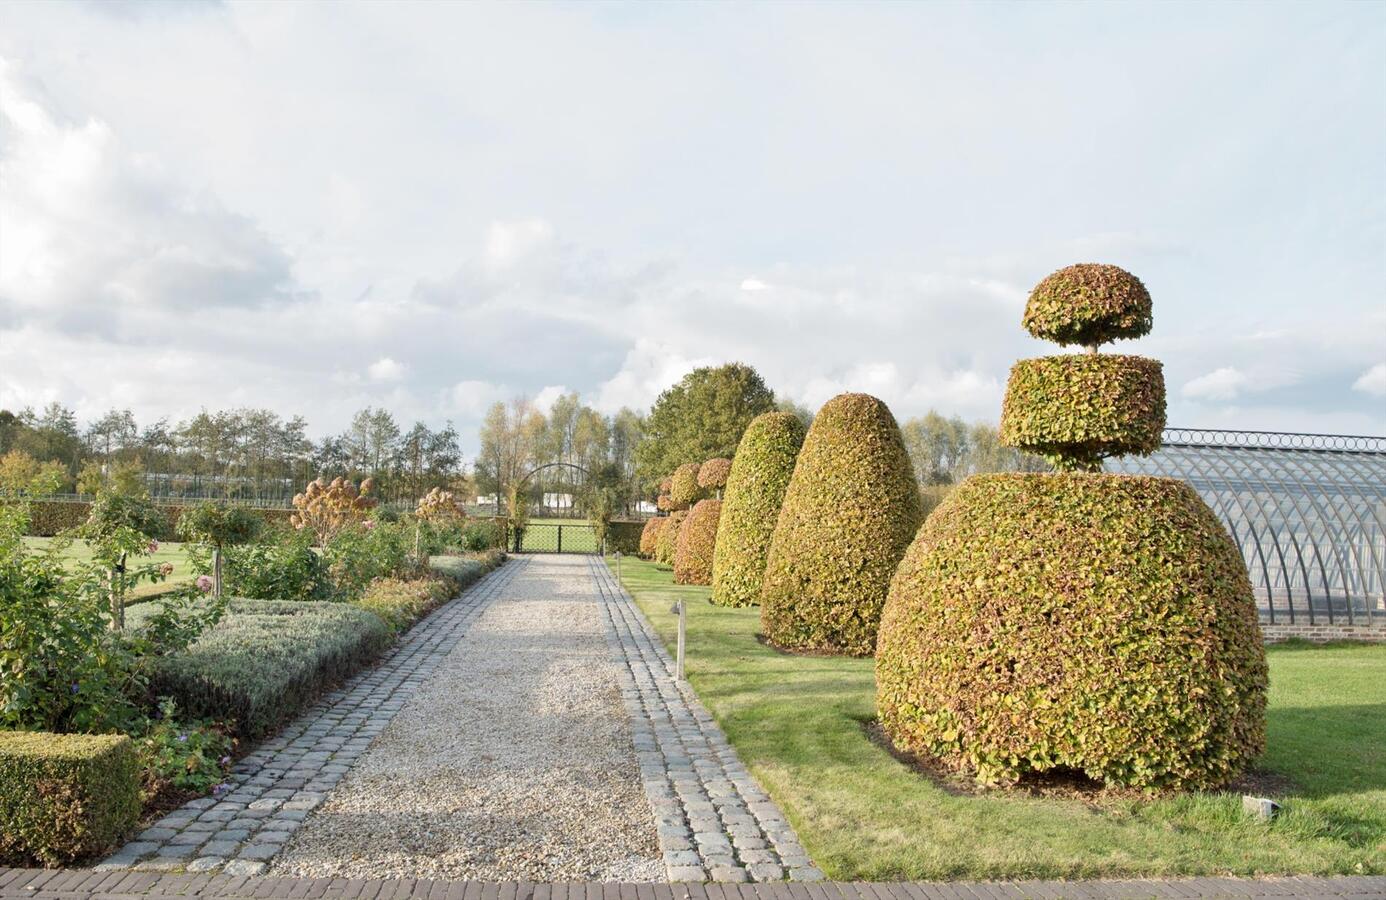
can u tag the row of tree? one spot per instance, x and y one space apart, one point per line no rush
250 454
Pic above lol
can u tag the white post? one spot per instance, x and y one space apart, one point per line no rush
683 631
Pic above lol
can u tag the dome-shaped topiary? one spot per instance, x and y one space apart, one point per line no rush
684 490
649 536
1088 304
1099 623
849 512
759 475
697 539
668 541
712 475
1077 410
664 503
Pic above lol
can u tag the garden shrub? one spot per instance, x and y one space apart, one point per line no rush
280 564
697 540
402 602
712 475
624 537
52 517
1077 410
759 475
466 569
851 509
1077 620
683 489
265 661
669 537
482 535
664 503
1088 304
649 535
64 797
1098 623
359 552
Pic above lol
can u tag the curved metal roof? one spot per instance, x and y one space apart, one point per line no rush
1307 510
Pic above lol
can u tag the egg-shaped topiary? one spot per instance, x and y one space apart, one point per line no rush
665 484
759 475
1088 304
1076 410
664 503
649 536
697 540
668 541
684 490
851 509
712 475
1102 624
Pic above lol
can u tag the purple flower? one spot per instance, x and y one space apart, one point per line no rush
226 760
182 738
204 583
221 789
76 688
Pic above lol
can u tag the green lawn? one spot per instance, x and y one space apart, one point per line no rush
169 551
543 537
797 723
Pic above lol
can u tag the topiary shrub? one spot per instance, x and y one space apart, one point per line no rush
1077 410
684 490
712 475
668 543
664 503
755 489
697 540
851 509
1103 624
649 537
1088 304
1076 621
64 797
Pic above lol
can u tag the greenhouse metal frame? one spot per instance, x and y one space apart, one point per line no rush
1308 512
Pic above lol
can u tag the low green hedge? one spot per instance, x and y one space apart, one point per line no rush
401 602
50 517
624 536
64 797
266 660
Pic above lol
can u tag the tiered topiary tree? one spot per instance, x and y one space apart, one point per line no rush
755 489
851 509
683 486
1079 621
649 536
712 475
697 541
668 542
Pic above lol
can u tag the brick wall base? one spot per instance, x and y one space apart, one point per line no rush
1322 632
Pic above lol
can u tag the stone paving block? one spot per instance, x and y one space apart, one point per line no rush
206 864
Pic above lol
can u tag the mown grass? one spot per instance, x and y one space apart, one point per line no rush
799 722
577 536
169 551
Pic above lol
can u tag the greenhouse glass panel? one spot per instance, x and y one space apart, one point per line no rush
1307 510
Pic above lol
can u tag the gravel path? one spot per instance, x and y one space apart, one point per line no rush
514 761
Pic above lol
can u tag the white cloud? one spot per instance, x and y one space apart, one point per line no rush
754 284
548 395
385 369
1226 383
1372 381
472 398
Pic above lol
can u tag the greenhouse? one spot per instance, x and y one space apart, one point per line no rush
1307 510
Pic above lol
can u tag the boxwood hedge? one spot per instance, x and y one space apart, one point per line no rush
649 536
64 797
759 475
1076 410
668 543
49 517
851 509
683 488
1096 623
1088 304
697 540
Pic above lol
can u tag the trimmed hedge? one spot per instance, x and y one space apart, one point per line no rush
849 513
64 797
624 537
697 540
400 602
759 475
50 517
1088 304
266 660
683 489
1076 410
712 475
649 536
668 543
1097 623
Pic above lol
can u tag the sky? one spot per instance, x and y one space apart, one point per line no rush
430 206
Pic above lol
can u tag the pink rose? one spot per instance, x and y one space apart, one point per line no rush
166 569
204 583
152 548
368 524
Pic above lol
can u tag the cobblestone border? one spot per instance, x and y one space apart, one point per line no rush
715 822
277 785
